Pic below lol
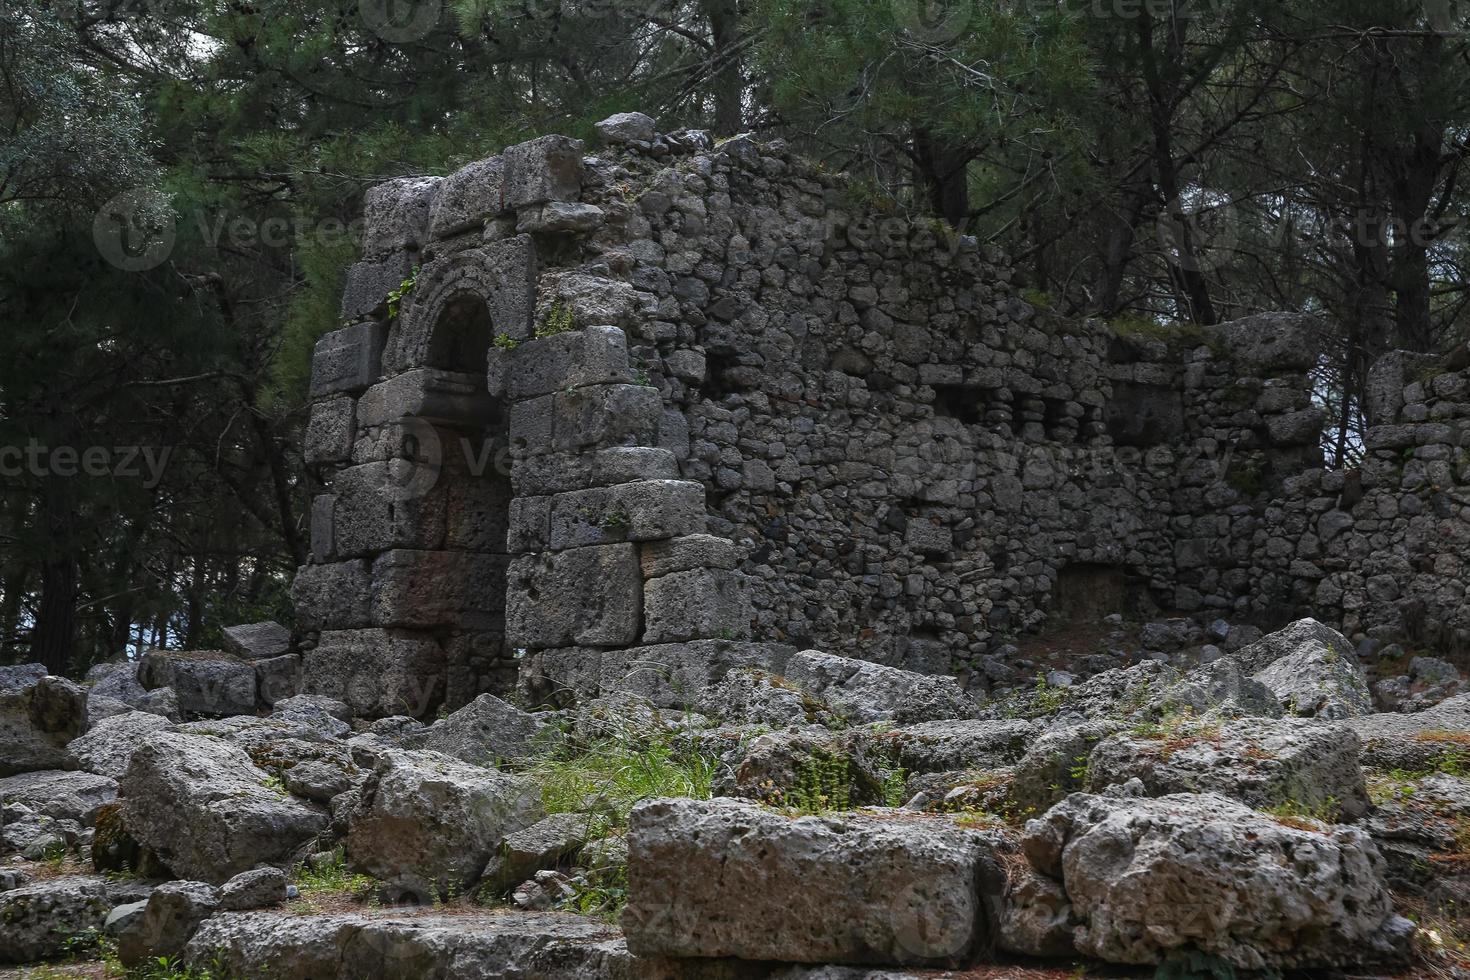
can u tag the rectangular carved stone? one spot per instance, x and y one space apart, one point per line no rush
278 678
330 431
513 264
532 423
396 214
368 283
586 596
333 596
560 472
541 170
685 553
427 394
467 197
701 604
606 415
380 506
348 360
530 525
850 888
378 672
641 511
439 588
595 355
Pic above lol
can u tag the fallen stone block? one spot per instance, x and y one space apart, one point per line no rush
257 641
540 846
426 823
1311 669
40 917
866 692
207 682
1152 878
282 945
39 715
174 911
255 889
486 731
1294 763
204 808
852 888
60 795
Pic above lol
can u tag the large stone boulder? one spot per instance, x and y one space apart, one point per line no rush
488 943
1292 763
39 715
864 692
487 730
1152 878
427 823
258 641
726 878
207 682
1415 742
60 795
107 747
948 746
755 697
173 912
1055 765
540 846
206 811
1311 669
40 917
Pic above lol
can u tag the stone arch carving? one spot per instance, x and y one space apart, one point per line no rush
501 275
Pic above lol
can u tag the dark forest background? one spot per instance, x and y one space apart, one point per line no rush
1149 162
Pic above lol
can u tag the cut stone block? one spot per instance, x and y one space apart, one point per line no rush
541 170
669 675
595 355
683 554
467 197
606 415
332 596
378 673
207 682
381 506
39 715
396 214
439 588
369 283
643 511
330 431
277 678
426 395
347 360
591 596
700 604
257 641
849 888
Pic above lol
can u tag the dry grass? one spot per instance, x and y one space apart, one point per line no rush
1443 736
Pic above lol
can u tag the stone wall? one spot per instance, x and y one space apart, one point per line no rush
727 398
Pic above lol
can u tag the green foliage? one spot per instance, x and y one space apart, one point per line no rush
610 776
332 878
1303 816
505 341
604 895
396 296
558 320
823 785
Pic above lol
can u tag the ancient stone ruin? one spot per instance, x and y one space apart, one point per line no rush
683 517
